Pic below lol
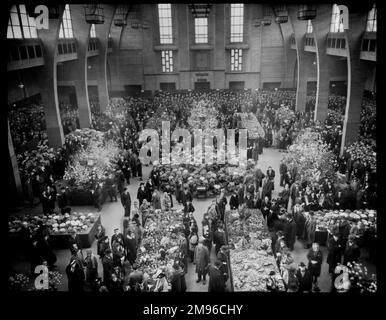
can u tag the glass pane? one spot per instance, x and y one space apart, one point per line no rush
23 53
15 53
38 51
31 52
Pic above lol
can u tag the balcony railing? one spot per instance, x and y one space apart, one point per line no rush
369 46
24 53
67 50
93 47
336 44
309 43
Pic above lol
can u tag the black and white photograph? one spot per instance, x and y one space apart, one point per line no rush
189 147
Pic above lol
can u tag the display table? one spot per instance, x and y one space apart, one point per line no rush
60 240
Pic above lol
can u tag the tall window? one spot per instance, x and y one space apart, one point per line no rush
372 20
167 61
236 60
309 26
20 24
336 20
165 23
201 30
92 31
237 22
66 25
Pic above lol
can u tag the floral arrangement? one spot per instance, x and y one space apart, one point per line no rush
312 157
18 282
208 176
360 278
56 224
203 115
365 151
160 242
94 159
251 255
285 114
328 219
250 122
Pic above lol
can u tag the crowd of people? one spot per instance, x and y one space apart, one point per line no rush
289 216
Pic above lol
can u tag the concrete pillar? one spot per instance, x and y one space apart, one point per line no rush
78 68
321 27
305 59
102 32
358 71
287 30
15 188
48 81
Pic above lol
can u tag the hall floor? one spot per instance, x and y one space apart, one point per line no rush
112 217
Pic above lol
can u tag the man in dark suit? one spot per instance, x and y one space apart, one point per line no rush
283 172
219 237
117 236
267 188
126 202
265 207
234 201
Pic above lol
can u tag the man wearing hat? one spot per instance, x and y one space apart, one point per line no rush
202 260
304 278
91 263
177 279
135 278
219 237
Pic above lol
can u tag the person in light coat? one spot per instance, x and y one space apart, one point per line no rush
201 257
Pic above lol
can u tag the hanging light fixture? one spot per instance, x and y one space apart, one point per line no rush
281 14
120 16
94 14
200 10
306 12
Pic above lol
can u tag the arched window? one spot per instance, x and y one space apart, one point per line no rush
336 19
66 24
20 24
372 20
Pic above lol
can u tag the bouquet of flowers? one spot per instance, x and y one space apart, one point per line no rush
250 122
55 279
285 114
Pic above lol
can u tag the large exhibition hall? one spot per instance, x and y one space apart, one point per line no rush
221 147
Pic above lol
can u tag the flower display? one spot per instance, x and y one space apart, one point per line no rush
203 115
56 224
160 243
55 279
251 256
328 219
249 121
312 157
95 157
285 114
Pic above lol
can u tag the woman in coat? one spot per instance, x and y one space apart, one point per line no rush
91 267
193 241
201 257
177 279
315 259
310 228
